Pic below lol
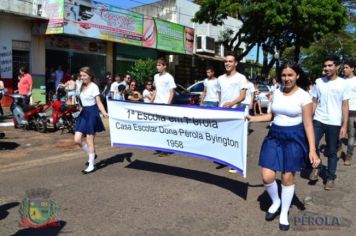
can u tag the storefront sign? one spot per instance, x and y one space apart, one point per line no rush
77 44
215 134
53 9
174 37
102 21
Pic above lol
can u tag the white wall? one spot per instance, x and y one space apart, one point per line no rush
12 28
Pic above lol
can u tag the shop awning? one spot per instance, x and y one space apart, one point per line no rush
214 58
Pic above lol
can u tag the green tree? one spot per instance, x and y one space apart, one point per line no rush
274 25
143 70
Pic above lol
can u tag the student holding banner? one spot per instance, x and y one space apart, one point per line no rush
165 85
89 121
290 139
231 86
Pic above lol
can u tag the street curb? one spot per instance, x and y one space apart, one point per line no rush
6 123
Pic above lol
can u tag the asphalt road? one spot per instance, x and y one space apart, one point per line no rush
135 192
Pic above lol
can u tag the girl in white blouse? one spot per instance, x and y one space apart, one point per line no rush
89 121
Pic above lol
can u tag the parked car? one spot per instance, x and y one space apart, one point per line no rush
196 88
264 95
183 96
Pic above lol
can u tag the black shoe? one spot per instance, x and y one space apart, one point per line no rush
283 227
271 216
88 172
87 163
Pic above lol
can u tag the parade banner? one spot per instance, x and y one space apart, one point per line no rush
217 134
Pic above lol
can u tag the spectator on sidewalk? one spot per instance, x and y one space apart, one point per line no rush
330 98
59 76
2 92
289 140
148 93
114 85
25 84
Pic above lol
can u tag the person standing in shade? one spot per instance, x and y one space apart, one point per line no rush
89 121
59 76
165 85
349 72
289 141
232 86
148 93
209 97
126 81
2 92
25 84
331 104
114 85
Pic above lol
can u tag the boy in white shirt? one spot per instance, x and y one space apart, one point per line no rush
349 72
232 85
164 83
330 101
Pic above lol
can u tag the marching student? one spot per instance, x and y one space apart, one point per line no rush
289 140
331 104
165 85
231 87
89 121
349 72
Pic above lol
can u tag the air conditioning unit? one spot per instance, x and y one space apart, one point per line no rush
205 44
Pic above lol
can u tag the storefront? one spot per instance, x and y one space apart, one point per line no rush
72 53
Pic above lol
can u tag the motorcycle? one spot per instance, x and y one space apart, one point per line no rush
28 116
63 116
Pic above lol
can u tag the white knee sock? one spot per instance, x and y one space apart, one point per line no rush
272 190
85 147
287 197
91 162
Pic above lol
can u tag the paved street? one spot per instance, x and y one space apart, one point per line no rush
135 192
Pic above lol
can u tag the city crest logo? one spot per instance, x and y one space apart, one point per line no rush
37 210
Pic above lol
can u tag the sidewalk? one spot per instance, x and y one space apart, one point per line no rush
6 120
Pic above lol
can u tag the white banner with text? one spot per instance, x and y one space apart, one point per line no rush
217 134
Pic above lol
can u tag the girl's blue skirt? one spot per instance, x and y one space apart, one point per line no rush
89 121
284 149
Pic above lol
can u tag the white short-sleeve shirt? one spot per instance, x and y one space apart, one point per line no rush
211 86
87 95
163 83
288 110
114 86
230 87
330 94
146 93
250 90
352 86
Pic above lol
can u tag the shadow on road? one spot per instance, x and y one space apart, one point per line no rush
235 186
8 145
114 159
5 207
41 231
